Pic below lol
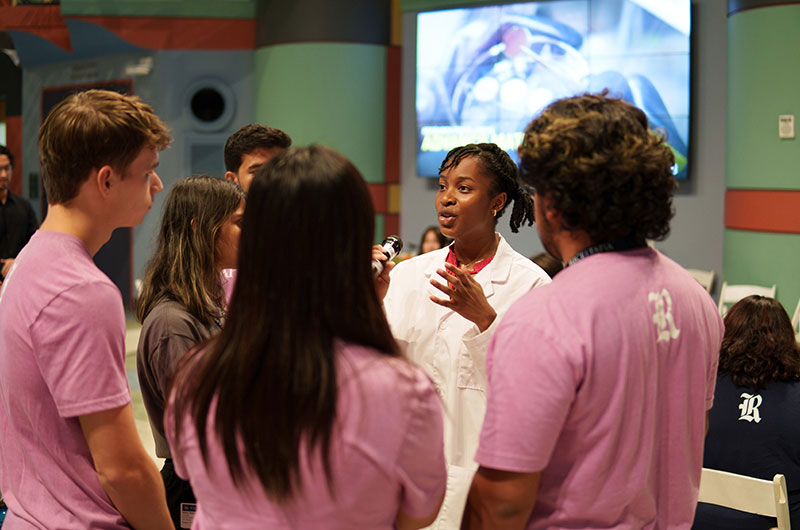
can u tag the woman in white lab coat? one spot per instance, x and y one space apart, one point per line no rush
443 306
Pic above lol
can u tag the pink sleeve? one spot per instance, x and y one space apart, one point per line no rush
532 385
228 281
420 466
79 343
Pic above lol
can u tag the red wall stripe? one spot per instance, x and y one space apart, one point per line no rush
763 210
181 33
44 21
378 192
391 224
393 79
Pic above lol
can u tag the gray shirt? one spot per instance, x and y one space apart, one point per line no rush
168 332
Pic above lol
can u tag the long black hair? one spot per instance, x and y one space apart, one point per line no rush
498 165
272 369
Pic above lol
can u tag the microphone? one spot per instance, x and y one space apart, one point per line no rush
391 246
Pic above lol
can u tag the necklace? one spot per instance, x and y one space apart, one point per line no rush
473 266
481 261
218 320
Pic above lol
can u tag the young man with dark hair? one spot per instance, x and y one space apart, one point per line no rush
249 148
599 383
17 218
71 456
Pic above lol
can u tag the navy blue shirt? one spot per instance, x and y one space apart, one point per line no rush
753 433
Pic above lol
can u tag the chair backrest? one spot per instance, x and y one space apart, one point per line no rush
796 322
704 278
746 494
730 294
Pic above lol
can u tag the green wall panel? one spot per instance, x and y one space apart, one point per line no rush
328 93
761 258
380 223
763 81
161 8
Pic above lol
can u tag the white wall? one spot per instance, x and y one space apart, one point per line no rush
697 229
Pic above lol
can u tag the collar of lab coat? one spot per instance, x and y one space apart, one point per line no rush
497 271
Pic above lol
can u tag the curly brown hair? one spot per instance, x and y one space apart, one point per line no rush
606 172
759 344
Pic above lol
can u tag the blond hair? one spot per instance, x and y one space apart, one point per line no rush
89 130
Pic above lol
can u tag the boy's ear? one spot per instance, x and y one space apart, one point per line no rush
104 179
230 176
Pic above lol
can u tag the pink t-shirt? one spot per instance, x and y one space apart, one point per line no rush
62 355
601 381
386 452
228 280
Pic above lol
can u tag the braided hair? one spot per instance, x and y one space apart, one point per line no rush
498 165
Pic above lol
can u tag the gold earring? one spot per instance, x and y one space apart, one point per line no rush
494 213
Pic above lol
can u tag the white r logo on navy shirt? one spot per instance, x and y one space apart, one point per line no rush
749 407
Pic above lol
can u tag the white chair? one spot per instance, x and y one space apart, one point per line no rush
730 294
746 494
704 278
796 322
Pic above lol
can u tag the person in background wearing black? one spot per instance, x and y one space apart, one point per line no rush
754 427
17 218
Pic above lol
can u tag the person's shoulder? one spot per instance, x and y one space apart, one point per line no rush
22 200
170 317
57 263
520 264
167 309
382 373
524 265
682 284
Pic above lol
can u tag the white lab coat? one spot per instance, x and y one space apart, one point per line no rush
453 352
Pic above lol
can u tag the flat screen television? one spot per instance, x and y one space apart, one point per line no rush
483 73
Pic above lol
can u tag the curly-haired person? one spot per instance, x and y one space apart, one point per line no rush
753 427
599 382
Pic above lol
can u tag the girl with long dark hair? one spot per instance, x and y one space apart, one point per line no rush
181 302
302 412
443 306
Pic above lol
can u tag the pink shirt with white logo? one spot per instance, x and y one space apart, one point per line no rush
62 355
387 452
601 381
